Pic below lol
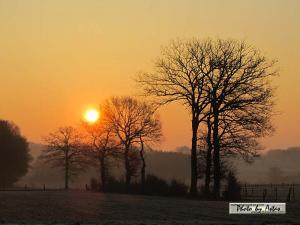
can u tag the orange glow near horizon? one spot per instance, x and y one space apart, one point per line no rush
57 57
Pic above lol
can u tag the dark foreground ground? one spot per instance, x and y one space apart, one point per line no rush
87 207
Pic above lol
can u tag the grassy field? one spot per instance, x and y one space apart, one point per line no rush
86 207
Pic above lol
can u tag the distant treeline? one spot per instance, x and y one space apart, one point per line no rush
264 170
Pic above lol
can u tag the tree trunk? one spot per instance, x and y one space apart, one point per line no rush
208 159
194 174
143 168
102 173
66 170
127 165
216 156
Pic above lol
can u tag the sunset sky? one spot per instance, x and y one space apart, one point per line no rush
59 57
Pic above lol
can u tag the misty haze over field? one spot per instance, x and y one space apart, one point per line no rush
274 166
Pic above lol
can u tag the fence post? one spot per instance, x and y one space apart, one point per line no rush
294 193
289 195
264 194
246 193
44 187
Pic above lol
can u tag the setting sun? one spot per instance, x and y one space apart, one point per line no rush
91 115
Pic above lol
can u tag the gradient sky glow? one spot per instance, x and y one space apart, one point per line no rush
59 57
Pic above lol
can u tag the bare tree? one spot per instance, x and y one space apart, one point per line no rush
64 150
150 133
178 77
133 122
226 80
241 98
102 146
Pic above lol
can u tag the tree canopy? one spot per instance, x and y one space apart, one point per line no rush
14 154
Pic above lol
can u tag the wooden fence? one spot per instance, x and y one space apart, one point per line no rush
249 192
270 192
26 187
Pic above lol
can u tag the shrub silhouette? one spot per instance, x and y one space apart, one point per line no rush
156 185
153 186
94 184
233 191
178 188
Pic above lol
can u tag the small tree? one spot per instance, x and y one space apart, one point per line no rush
64 150
133 122
101 146
150 133
14 154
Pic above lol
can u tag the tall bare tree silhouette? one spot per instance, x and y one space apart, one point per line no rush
224 84
241 98
177 77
